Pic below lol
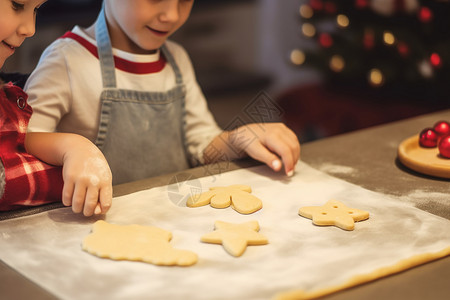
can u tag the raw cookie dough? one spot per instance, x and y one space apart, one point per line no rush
237 195
235 237
137 243
398 267
334 213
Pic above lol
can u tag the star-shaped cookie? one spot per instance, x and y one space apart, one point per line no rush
334 213
137 243
237 195
235 237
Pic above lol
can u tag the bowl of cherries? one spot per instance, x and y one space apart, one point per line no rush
437 136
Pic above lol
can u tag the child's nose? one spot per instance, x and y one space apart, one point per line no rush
170 12
27 27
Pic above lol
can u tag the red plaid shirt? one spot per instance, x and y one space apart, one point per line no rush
29 181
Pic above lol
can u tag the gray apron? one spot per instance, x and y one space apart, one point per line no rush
141 133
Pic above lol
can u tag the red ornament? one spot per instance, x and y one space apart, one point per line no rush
435 60
428 138
442 128
325 40
444 146
425 14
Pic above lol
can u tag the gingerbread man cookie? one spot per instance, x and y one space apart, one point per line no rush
137 243
238 196
235 237
334 213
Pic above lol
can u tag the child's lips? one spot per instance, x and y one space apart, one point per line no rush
158 32
13 48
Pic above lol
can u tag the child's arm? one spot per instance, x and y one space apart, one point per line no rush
86 174
266 142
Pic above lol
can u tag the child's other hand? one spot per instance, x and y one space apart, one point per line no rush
87 181
271 143
268 143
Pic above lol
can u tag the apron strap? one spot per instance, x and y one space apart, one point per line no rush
105 54
171 61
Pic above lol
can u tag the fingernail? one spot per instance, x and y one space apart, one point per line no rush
98 210
276 164
290 173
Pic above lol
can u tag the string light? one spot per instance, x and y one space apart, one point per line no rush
425 69
388 38
435 60
308 30
337 63
325 40
316 4
403 49
425 14
376 77
297 57
342 21
306 11
361 3
330 7
369 39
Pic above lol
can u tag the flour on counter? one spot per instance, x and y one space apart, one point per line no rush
433 202
336 169
424 197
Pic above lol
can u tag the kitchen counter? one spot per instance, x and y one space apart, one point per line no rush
367 158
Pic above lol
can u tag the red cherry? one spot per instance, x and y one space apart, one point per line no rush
442 128
428 138
444 146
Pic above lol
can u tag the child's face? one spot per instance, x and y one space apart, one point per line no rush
142 26
17 20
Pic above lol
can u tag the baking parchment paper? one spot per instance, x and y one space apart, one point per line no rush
46 247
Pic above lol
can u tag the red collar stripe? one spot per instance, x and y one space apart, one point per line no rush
120 63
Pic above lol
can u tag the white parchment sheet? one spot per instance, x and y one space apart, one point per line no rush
46 247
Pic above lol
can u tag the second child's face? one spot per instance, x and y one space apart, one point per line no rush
142 26
17 22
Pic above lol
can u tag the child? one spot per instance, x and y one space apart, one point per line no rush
85 179
124 86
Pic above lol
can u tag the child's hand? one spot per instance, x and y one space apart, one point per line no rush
86 174
268 142
87 181
271 143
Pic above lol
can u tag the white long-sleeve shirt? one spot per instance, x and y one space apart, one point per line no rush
64 89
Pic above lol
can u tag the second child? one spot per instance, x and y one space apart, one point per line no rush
122 84
30 164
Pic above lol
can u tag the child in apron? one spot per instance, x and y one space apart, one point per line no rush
122 84
84 181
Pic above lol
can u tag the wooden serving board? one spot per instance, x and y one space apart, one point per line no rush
423 160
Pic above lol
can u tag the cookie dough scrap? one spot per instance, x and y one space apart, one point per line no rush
235 237
334 213
136 243
237 195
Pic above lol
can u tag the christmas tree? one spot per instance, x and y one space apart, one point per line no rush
392 47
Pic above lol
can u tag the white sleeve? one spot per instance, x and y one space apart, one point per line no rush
201 128
48 89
